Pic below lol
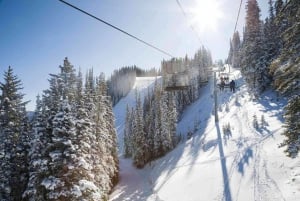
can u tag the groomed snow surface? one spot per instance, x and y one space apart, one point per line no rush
244 164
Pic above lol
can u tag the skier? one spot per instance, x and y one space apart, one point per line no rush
222 85
232 86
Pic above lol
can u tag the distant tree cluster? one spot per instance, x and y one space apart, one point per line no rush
70 150
122 81
150 127
269 52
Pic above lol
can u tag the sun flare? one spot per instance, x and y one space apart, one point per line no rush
206 15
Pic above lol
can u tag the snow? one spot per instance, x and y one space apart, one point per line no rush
85 185
244 164
76 191
83 163
51 183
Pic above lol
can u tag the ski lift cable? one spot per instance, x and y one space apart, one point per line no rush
191 26
118 29
238 15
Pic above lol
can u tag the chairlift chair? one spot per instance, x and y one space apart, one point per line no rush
174 81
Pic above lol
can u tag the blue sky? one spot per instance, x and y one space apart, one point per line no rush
36 35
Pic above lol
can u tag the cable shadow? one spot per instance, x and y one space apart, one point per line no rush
227 192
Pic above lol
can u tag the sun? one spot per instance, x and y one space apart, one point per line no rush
206 15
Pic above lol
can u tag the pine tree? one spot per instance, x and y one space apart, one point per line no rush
105 108
38 160
13 138
255 122
292 127
73 153
230 53
166 136
271 36
172 114
285 69
234 52
79 91
158 144
127 134
278 6
149 122
253 61
141 152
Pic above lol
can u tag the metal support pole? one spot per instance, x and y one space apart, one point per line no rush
215 97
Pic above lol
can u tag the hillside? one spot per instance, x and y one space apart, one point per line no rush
243 164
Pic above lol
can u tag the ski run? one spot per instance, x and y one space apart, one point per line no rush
235 159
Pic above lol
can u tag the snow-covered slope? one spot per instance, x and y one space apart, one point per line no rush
244 164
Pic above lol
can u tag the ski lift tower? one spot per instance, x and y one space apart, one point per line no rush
175 77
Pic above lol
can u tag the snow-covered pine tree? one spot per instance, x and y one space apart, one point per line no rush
61 176
38 159
79 95
236 46
158 144
87 162
104 106
255 122
141 152
285 69
127 134
149 121
252 63
67 77
98 153
13 138
97 135
292 127
149 129
58 183
165 137
172 114
230 53
234 52
70 155
271 36
280 25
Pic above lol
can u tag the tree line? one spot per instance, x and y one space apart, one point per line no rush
68 151
268 56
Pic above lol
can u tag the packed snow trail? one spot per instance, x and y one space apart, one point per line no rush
243 164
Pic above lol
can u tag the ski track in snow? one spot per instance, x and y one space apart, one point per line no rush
263 183
244 160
